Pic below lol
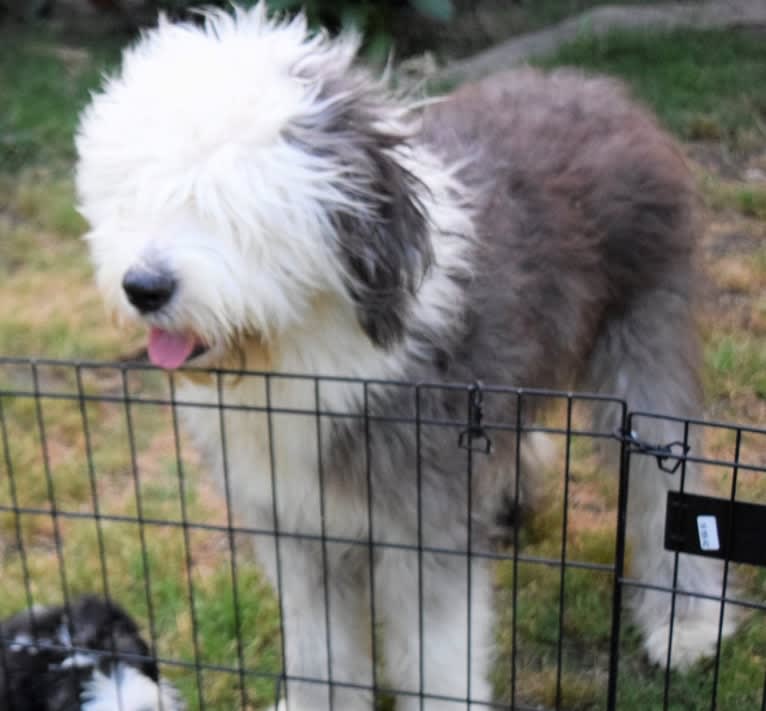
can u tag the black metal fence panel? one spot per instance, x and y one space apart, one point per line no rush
102 494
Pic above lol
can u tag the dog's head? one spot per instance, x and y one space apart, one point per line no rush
243 176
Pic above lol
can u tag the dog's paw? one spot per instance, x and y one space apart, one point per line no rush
695 637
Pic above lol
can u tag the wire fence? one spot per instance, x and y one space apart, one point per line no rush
101 493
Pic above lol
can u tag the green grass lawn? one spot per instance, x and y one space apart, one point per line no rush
704 85
44 82
709 88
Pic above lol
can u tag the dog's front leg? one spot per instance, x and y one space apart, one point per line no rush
319 586
431 603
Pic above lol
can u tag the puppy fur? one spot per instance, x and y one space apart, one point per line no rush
528 230
87 655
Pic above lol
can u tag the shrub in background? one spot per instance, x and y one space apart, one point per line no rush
372 17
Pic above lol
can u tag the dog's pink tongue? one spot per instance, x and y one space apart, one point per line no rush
169 350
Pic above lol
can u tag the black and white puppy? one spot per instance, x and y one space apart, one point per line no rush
87 656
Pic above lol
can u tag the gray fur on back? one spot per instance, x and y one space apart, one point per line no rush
584 215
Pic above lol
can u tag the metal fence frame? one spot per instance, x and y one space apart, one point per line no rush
474 437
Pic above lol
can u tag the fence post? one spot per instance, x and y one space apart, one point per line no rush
619 558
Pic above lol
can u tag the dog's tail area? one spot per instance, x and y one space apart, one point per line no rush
648 356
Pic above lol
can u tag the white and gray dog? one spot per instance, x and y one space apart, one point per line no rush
259 199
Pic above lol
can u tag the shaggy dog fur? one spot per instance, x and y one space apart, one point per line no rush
260 200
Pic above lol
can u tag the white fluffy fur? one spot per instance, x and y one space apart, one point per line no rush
126 689
194 141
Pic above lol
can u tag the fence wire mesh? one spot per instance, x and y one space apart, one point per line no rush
102 494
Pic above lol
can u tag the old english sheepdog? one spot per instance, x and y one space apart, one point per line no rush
87 655
262 202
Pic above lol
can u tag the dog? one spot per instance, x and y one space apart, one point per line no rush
264 204
86 656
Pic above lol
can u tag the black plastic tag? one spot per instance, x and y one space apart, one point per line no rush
716 528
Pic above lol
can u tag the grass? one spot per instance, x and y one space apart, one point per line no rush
747 199
736 364
705 86
44 81
50 305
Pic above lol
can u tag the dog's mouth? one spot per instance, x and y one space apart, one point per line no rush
171 350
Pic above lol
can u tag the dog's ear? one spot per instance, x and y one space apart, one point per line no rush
380 224
383 240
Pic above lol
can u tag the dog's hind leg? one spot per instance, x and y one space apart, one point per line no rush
454 615
649 357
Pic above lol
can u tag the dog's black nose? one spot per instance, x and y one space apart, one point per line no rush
148 290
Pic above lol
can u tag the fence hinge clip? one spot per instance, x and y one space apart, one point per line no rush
669 456
474 437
